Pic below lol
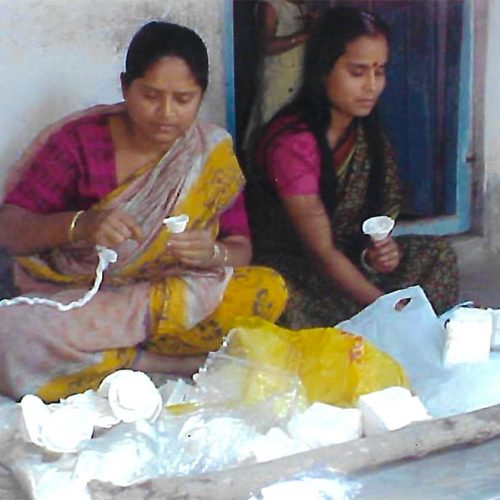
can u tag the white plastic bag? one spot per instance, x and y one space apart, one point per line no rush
415 337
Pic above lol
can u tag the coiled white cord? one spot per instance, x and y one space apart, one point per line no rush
106 257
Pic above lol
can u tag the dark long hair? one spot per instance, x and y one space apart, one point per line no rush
158 39
328 41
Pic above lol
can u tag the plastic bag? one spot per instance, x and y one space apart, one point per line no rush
413 335
335 367
239 382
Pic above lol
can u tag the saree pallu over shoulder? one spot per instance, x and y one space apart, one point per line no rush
353 178
210 187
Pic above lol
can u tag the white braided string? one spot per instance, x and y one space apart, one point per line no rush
106 257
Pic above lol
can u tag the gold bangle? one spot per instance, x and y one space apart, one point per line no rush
72 224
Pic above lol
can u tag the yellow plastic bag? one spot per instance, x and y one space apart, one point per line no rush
335 367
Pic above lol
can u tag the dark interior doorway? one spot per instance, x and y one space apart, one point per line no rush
420 104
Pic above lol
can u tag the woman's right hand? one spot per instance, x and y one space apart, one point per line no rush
384 255
108 228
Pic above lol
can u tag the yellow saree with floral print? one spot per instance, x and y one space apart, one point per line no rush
147 301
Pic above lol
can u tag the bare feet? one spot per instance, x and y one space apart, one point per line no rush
182 366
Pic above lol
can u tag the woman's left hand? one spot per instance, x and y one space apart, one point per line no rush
384 255
193 248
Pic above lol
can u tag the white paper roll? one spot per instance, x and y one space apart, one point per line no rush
132 396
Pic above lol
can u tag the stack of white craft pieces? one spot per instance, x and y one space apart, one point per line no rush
123 396
390 409
59 430
468 336
132 396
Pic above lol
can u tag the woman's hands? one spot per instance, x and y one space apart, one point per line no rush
383 255
108 228
23 232
192 248
196 248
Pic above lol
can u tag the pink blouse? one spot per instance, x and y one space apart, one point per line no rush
292 160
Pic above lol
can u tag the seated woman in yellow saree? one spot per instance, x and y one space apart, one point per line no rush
109 176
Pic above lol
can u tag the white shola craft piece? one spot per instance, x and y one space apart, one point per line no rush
65 430
59 429
176 223
106 257
132 396
276 443
495 334
390 409
96 408
468 336
33 414
322 425
378 228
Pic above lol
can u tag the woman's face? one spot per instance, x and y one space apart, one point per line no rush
357 79
164 102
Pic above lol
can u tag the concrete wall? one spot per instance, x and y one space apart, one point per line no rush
58 56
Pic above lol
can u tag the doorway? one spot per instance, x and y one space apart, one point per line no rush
425 107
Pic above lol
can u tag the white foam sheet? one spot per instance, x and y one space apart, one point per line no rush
390 409
322 425
468 334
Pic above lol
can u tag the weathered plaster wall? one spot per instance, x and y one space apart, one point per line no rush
57 56
491 127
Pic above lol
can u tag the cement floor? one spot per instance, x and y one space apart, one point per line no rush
480 278
466 473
